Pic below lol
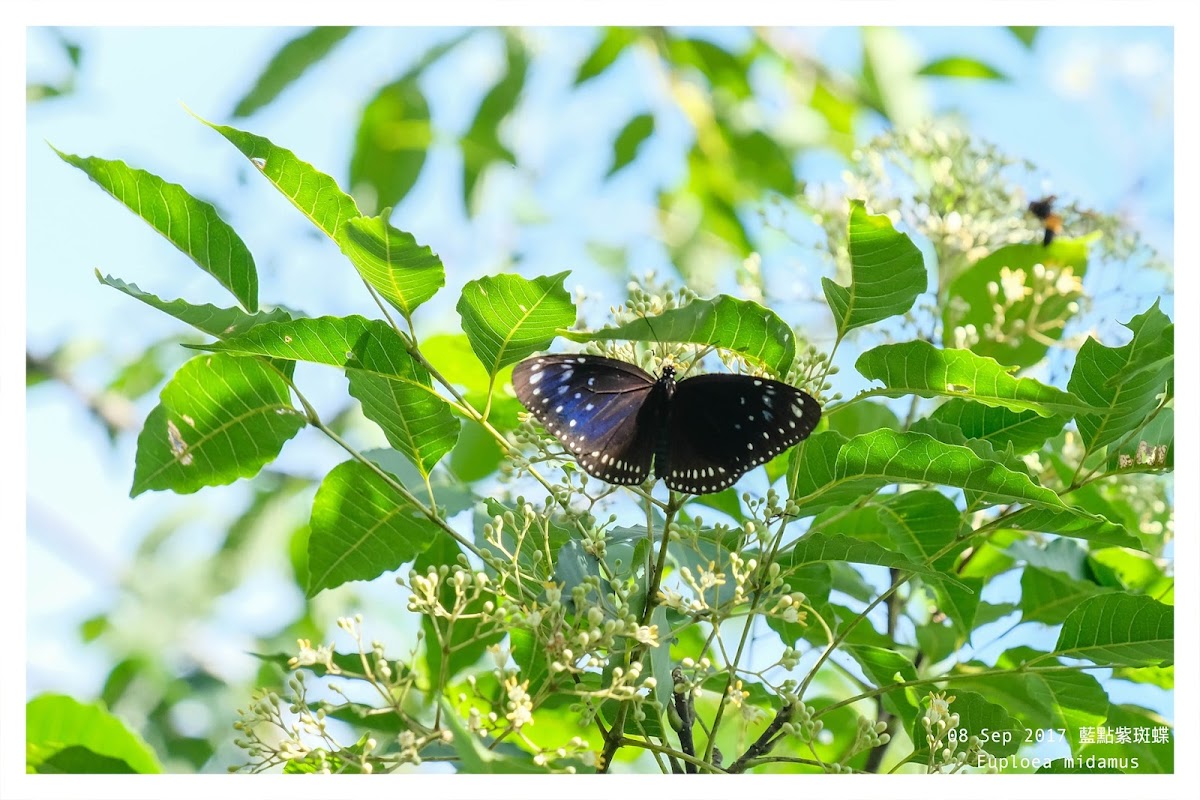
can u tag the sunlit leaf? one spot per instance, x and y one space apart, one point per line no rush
314 193
812 479
192 225
1025 431
405 273
97 740
1121 408
1074 522
886 273
219 418
361 528
508 318
481 146
219 322
613 42
917 367
742 326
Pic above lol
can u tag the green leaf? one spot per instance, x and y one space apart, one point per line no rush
1026 34
1119 629
722 68
1121 408
218 419
1153 757
1024 431
962 67
391 144
1128 570
1071 521
861 417
886 273
915 457
508 318
973 303
362 527
96 740
612 43
314 193
629 141
1153 448
742 326
288 64
453 358
219 322
190 224
921 523
1048 596
481 145
813 483
395 390
949 434
978 717
405 273
820 547
884 667
1051 700
917 367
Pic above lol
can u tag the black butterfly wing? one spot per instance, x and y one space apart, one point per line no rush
721 426
600 409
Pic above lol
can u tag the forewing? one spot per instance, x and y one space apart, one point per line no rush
592 405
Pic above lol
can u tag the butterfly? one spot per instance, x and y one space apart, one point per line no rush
1044 210
700 434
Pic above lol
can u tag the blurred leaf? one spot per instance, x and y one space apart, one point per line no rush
613 42
314 193
361 527
1026 34
476 455
886 273
1129 570
742 326
1024 431
1121 408
190 224
391 144
98 740
1138 756
452 356
629 141
405 273
888 83
1119 629
76 760
218 322
962 67
219 418
288 64
723 69
508 318
917 367
481 145
971 300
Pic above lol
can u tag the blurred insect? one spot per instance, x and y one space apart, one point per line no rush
1052 223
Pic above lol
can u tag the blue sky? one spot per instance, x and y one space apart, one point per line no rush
1101 98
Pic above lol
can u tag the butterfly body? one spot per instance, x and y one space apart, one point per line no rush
699 435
